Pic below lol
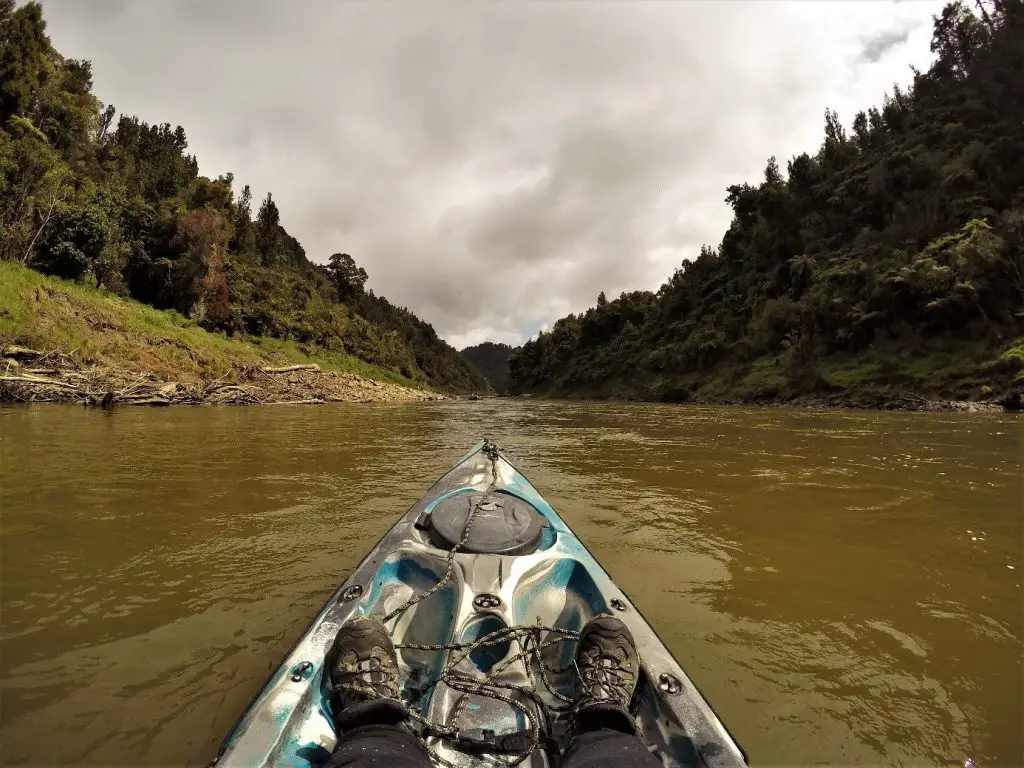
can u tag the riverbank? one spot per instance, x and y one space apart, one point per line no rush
884 401
54 377
926 375
874 401
68 343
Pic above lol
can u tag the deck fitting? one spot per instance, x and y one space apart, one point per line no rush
351 593
669 683
300 672
486 601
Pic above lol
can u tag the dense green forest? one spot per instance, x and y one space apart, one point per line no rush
890 260
89 195
492 360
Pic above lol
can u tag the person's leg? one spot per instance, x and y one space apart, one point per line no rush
379 746
369 716
371 719
608 666
609 748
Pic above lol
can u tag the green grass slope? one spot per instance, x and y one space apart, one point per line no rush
97 327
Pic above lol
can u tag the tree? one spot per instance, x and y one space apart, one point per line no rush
801 171
106 120
861 132
835 139
34 182
74 241
268 236
65 109
23 47
834 131
150 159
108 268
602 300
348 278
243 219
200 285
957 37
215 195
876 123
742 198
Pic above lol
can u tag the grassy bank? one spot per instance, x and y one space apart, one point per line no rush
98 328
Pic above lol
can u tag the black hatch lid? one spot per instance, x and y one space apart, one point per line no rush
504 524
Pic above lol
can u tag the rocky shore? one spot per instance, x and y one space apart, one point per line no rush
32 376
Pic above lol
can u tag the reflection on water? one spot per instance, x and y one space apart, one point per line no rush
844 587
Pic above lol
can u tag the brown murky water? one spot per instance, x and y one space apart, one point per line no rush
844 587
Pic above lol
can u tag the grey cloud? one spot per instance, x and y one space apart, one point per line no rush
493 166
878 46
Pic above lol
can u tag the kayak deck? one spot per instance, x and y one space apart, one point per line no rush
484 608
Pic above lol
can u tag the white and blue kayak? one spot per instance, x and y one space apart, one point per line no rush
484 589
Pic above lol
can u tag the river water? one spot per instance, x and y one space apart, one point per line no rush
845 587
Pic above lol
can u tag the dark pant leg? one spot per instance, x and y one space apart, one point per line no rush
392 746
609 748
379 746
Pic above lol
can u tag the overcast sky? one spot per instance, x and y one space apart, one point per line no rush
495 165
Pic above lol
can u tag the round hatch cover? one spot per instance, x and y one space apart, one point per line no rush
504 525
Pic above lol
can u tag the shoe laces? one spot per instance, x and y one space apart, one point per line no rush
604 673
368 677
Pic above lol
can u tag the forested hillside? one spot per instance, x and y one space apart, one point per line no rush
889 260
492 360
89 195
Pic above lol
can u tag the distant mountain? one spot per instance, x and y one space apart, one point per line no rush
492 360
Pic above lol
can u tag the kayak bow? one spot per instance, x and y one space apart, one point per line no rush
484 588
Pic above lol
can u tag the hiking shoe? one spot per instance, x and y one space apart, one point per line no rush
363 673
608 667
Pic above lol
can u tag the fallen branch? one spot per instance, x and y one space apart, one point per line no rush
217 383
20 353
148 401
912 396
315 401
290 368
230 394
37 380
233 388
53 354
131 388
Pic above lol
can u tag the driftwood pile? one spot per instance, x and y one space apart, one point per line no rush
27 375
